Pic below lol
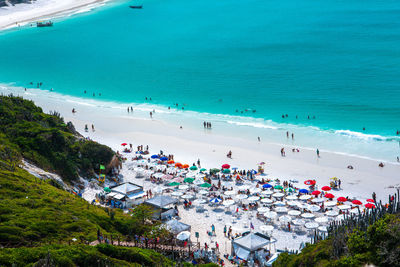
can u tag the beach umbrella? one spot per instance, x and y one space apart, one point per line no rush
326 188
253 171
228 202
123 144
318 200
183 187
323 229
267 186
253 198
266 192
243 187
298 222
356 202
170 162
332 213
107 189
203 192
178 164
341 199
266 228
311 225
370 206
313 208
310 182
163 158
266 201
215 200
307 215
305 197
241 196
303 191
174 184
370 201
294 212
289 189
263 209
203 170
329 195
291 197
279 203
183 235
344 207
270 214
230 193
189 180
321 220
205 185
330 203
214 170
226 171
281 209
154 156
193 168
292 203
316 193
187 196
185 166
278 187
225 166
285 219
255 190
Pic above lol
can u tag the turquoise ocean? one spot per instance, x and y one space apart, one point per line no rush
332 66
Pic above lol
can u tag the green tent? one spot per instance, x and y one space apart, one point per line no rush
226 171
278 187
189 180
107 189
207 185
193 168
174 184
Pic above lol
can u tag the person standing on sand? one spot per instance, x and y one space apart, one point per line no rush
292 136
259 140
317 152
225 230
287 134
151 114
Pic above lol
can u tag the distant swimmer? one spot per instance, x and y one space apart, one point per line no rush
150 98
146 98
283 116
84 92
296 117
183 108
94 94
398 132
99 94
181 127
169 108
363 128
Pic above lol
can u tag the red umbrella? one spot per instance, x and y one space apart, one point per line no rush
370 206
356 202
316 193
370 200
226 166
341 199
326 188
329 195
310 182
123 144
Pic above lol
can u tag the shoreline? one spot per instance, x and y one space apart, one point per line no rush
18 15
114 126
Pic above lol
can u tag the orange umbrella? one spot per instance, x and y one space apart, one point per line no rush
185 166
171 162
178 164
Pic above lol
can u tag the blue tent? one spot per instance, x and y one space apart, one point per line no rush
154 157
303 191
267 186
163 158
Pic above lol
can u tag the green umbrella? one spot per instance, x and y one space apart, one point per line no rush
278 187
289 189
215 170
174 184
107 189
205 185
203 170
226 171
189 180
193 168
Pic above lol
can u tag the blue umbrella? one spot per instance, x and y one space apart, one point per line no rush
303 191
163 158
215 200
234 168
253 171
267 186
154 157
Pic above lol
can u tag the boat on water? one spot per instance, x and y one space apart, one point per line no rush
137 7
44 24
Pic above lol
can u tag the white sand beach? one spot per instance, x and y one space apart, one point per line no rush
114 126
21 14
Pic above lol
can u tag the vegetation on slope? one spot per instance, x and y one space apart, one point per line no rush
45 140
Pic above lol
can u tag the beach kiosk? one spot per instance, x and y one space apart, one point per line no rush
163 206
129 193
251 248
